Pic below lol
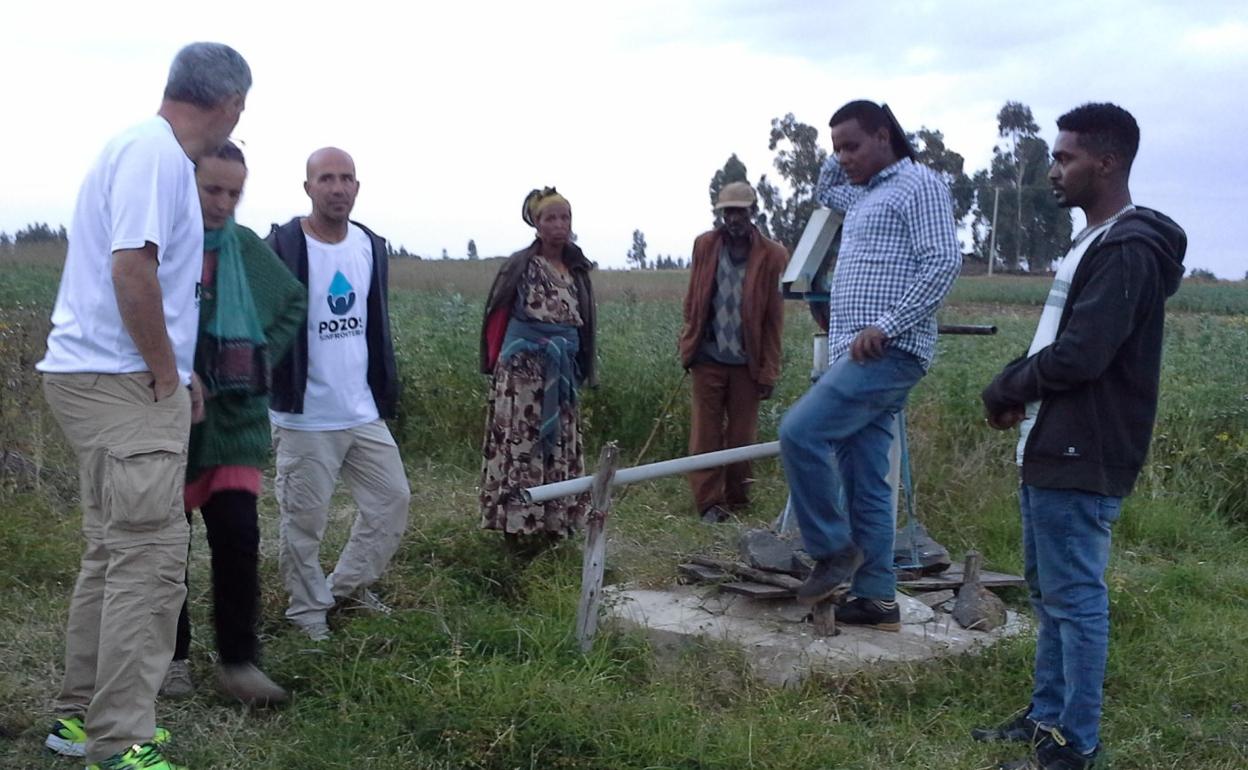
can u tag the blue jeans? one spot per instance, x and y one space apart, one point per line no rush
848 414
1066 536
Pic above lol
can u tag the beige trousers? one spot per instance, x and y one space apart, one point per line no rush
124 611
308 465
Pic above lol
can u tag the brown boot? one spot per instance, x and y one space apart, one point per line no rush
250 685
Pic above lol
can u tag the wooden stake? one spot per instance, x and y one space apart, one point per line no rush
824 616
594 560
970 572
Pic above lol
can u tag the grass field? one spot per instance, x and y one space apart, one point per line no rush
478 668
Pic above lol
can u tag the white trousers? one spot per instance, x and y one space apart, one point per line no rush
308 465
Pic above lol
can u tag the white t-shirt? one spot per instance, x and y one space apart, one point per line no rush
141 189
337 395
1051 316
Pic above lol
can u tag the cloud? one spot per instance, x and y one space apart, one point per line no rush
454 111
1229 39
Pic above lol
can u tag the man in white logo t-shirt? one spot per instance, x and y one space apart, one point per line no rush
118 377
330 397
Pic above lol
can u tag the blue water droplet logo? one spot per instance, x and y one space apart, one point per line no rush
341 295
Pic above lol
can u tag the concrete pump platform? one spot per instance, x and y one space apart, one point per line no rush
777 638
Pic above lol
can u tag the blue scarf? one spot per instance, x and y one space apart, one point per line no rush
558 345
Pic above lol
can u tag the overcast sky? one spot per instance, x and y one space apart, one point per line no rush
453 111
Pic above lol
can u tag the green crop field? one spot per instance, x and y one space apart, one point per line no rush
478 666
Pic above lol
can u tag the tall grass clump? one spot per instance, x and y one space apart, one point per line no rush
31 450
1200 446
442 401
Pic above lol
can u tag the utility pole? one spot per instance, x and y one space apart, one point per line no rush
1018 211
992 247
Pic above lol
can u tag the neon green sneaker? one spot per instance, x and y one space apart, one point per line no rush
138 757
68 737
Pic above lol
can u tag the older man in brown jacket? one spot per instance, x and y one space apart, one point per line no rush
731 343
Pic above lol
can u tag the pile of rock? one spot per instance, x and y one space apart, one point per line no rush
772 566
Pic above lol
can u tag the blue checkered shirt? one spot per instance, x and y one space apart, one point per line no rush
899 256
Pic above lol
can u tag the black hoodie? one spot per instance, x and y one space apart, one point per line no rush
1098 381
290 375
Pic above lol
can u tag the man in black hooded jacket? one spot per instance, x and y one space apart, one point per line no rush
1084 398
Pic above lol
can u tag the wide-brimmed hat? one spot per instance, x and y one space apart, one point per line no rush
736 195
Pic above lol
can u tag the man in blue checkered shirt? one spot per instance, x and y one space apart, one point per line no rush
899 255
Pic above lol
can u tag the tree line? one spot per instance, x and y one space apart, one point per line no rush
637 258
1006 210
36 232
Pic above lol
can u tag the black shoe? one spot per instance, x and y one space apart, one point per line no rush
716 514
1053 752
829 575
885 616
1020 728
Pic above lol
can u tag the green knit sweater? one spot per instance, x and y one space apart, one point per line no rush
235 430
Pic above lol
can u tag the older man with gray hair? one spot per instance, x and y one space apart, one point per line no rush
118 377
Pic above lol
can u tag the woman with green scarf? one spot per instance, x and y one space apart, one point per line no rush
250 308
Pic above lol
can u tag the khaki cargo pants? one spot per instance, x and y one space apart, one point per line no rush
124 611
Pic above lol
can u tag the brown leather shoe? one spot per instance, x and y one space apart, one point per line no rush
250 685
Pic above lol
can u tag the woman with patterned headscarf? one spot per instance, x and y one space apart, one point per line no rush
537 342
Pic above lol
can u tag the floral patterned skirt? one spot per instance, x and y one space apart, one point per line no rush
513 456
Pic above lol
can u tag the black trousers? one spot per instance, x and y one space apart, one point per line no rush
231 522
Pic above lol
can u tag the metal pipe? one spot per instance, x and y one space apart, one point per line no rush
966 329
547 492
820 356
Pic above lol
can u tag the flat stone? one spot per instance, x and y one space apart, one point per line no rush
932 556
782 649
702 574
914 611
934 599
757 590
952 579
763 549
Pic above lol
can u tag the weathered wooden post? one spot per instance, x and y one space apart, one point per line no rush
594 560
824 618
